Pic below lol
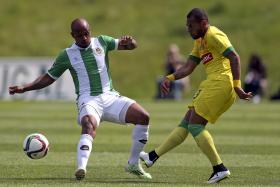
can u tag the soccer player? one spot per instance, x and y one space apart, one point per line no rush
88 62
215 95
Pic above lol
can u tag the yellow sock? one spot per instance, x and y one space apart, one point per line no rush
176 137
205 142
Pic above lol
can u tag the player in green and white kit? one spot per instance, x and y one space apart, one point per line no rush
88 62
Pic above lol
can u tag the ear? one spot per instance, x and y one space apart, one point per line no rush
204 23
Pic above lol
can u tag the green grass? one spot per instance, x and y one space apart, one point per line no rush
41 28
247 137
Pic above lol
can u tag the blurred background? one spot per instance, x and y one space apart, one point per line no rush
33 32
32 28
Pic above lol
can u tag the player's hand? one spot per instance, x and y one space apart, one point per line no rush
15 89
165 86
243 95
126 40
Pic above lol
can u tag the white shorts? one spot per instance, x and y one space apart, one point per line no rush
108 106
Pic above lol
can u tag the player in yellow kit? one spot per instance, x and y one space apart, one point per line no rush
215 95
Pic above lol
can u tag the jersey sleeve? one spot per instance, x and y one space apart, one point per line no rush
221 43
109 42
195 53
60 64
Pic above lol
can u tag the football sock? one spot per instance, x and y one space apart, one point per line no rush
83 150
139 139
205 142
219 168
153 156
175 138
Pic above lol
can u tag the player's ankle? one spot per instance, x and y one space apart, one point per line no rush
153 156
219 167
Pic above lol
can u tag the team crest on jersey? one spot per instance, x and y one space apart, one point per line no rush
98 51
206 58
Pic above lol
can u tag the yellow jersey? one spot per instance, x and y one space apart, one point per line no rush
215 94
211 51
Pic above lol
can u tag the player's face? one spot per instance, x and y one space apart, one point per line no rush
82 37
195 28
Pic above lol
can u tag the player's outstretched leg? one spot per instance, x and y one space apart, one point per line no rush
175 138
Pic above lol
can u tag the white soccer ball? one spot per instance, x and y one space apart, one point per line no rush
36 146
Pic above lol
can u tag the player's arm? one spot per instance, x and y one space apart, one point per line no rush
182 72
127 43
236 71
41 82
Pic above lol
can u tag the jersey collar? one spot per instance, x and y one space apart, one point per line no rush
82 48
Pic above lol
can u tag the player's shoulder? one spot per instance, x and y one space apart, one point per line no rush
214 31
62 55
214 34
62 52
104 37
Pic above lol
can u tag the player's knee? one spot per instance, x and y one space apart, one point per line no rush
144 118
88 126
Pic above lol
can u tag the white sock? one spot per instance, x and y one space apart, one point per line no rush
83 150
139 138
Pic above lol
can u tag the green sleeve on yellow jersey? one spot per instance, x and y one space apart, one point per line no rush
195 53
228 50
194 58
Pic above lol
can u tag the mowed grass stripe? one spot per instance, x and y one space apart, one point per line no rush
184 148
265 133
126 138
120 159
115 176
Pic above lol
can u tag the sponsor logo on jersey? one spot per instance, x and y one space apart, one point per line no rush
206 58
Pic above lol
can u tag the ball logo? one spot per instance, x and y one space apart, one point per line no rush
206 58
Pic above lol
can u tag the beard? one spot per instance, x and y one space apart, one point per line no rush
198 34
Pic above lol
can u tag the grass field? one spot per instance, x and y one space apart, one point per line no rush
247 136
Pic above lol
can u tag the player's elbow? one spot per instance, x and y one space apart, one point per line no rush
234 58
237 58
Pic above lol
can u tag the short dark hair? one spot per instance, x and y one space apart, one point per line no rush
198 14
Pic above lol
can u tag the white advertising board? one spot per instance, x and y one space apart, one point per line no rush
18 71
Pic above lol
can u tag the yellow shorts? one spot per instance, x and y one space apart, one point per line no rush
213 98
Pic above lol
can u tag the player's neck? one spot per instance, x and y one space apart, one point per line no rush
205 30
82 47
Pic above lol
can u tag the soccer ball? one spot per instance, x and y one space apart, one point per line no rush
36 146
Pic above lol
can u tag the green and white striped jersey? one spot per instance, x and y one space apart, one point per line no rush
89 66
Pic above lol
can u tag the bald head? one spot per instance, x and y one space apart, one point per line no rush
79 24
80 31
